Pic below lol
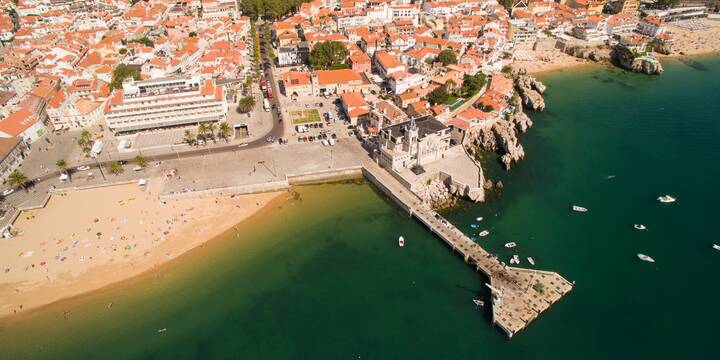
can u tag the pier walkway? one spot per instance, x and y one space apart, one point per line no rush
518 295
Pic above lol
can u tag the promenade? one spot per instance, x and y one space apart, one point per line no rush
519 295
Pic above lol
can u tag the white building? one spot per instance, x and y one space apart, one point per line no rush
165 102
416 142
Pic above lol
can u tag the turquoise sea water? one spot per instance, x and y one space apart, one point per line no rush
324 279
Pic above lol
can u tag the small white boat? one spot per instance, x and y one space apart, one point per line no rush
401 241
666 199
515 260
640 227
478 302
479 218
579 208
716 246
474 226
531 261
510 245
162 330
644 257
484 233
610 177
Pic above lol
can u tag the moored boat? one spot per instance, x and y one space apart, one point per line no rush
716 246
401 241
644 257
579 208
478 302
666 199
479 218
640 227
474 226
484 233
510 245
531 261
515 260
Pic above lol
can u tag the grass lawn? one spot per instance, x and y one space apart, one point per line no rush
305 116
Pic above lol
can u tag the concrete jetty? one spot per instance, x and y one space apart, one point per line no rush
519 295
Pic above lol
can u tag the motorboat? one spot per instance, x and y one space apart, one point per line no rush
640 227
484 233
531 261
474 226
478 302
666 199
579 208
716 246
479 218
510 245
609 177
515 260
401 241
162 330
644 257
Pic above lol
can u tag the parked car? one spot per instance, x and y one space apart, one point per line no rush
83 168
122 162
243 145
8 192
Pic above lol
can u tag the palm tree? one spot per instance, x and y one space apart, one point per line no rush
212 127
190 138
140 161
224 130
246 104
84 140
16 178
202 130
63 166
115 168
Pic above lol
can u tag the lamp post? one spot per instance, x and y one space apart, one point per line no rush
94 156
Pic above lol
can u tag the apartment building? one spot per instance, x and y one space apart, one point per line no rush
164 102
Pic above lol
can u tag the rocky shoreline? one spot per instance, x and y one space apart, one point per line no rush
502 136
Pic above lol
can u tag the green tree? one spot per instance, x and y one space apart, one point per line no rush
143 40
203 128
140 161
84 140
16 178
438 95
473 83
446 57
224 130
192 34
246 104
115 168
122 51
328 53
190 138
123 72
668 3
62 165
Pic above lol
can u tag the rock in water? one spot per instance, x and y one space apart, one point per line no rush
647 64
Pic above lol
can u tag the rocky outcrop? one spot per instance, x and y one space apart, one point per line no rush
437 194
521 121
530 91
507 138
662 48
594 54
643 64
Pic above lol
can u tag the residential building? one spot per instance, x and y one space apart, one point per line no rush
293 55
401 81
11 155
340 81
171 101
354 106
296 83
22 124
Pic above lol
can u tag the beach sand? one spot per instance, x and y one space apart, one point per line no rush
549 60
87 239
688 42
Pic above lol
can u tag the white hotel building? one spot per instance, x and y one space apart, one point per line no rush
171 101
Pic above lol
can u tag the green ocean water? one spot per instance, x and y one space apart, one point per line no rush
323 278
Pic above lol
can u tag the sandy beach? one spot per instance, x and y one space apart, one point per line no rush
549 60
689 42
686 42
87 239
